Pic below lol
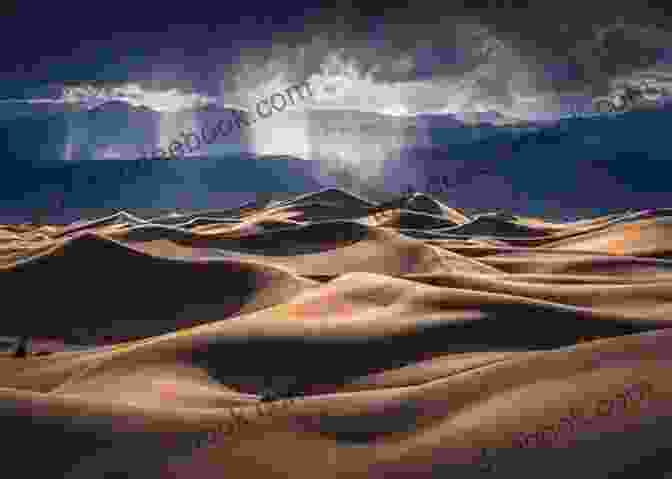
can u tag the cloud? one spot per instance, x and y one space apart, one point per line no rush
347 78
429 60
89 95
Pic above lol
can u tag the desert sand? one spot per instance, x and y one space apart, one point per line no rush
397 340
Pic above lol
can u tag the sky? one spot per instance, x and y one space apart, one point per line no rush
537 62
526 62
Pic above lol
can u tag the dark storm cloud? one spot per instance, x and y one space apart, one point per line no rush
565 48
594 45
551 47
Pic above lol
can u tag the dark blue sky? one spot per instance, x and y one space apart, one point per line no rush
427 57
195 43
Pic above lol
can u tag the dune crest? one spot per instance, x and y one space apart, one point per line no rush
330 336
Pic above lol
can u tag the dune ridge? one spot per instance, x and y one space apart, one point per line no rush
329 335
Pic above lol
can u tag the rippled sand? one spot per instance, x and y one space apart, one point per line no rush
411 339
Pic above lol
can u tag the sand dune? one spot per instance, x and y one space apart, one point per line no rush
519 347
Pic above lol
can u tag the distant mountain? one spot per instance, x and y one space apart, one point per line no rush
115 129
423 129
601 162
491 117
327 122
11 110
119 106
439 120
65 191
610 161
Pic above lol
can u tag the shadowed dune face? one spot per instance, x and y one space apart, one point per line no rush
329 336
94 285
